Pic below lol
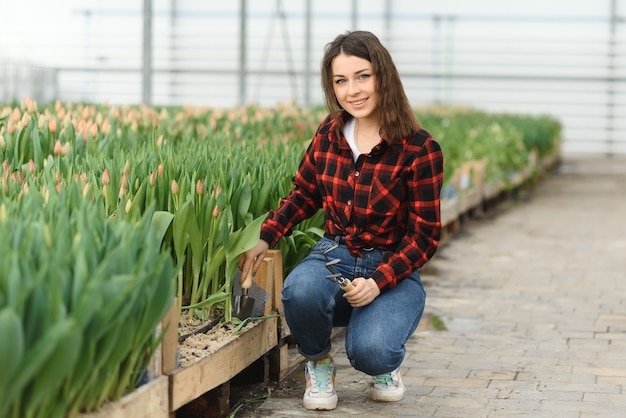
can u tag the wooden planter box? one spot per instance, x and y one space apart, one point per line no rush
193 381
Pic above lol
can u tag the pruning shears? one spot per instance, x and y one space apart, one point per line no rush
345 284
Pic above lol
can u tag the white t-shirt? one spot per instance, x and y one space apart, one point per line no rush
348 131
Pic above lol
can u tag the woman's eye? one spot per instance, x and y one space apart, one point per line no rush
364 76
340 81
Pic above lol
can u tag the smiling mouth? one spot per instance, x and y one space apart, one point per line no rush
358 102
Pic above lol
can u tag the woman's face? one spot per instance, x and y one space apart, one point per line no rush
355 86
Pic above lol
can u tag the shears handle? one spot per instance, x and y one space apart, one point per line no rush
345 284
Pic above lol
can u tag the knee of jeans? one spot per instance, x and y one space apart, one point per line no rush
375 359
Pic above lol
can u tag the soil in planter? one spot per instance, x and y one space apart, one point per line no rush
198 346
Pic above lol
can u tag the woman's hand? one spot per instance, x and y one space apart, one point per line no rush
252 258
364 292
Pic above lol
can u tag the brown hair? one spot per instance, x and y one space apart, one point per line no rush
395 115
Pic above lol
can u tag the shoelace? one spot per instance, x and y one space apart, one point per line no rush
320 376
384 380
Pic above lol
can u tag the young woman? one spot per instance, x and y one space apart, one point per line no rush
377 175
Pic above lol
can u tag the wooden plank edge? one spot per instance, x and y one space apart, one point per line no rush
148 401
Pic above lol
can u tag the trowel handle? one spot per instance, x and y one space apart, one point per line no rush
247 284
345 284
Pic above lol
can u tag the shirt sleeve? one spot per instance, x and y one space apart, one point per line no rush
302 202
423 229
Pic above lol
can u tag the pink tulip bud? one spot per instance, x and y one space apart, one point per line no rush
105 177
152 179
123 186
31 166
160 170
57 147
106 127
175 187
216 211
217 191
52 125
200 187
94 131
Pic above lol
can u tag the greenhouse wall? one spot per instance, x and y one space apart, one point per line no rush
564 57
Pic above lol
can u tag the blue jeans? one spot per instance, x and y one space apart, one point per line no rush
376 333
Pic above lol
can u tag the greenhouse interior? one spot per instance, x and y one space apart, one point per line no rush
146 145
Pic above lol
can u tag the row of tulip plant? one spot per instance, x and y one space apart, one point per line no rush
84 188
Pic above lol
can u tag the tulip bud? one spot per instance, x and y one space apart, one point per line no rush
31 166
200 187
152 179
52 125
105 177
160 170
94 130
3 143
3 213
217 191
85 190
123 186
57 147
175 187
216 212
106 127
126 167
129 203
45 193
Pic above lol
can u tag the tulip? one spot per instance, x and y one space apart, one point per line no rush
199 187
105 128
160 170
105 177
41 122
216 212
57 147
94 131
217 191
52 125
123 186
129 203
85 190
31 166
175 187
152 179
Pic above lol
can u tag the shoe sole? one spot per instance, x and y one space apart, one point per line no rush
328 405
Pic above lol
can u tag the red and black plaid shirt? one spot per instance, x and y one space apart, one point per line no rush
388 199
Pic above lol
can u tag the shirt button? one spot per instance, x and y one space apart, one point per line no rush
349 202
356 174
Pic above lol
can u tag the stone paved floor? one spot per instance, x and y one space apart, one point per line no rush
534 302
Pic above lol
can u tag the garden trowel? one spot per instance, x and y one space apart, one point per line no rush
242 304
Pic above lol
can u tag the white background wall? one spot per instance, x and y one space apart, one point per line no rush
560 57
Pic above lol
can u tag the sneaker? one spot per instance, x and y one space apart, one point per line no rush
387 387
320 393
